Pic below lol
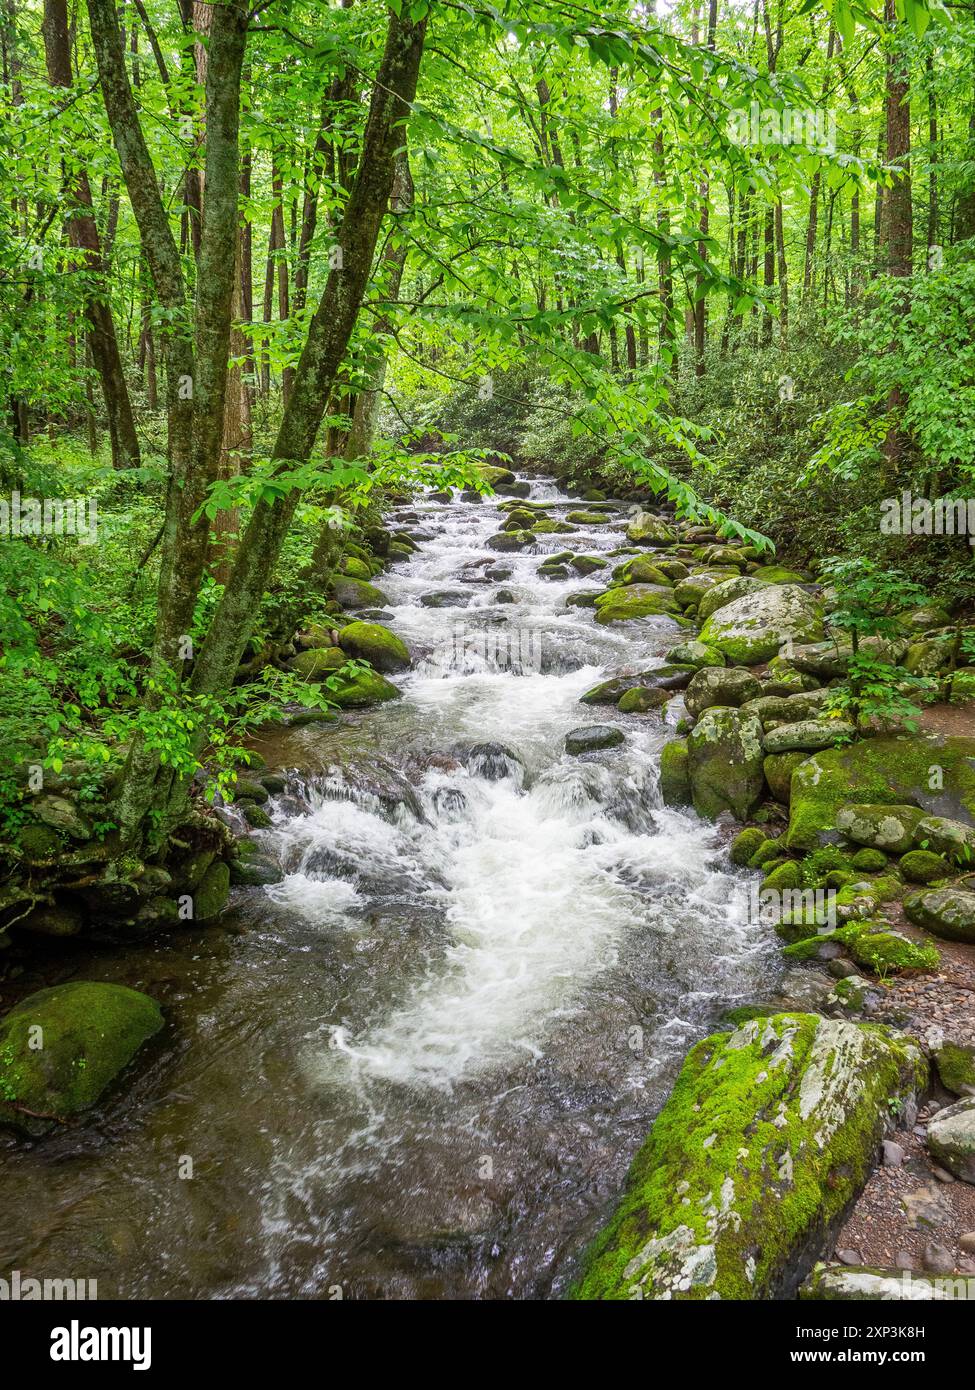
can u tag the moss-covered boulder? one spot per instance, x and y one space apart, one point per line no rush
60 1048
691 590
962 690
639 699
635 601
869 861
887 828
357 593
318 663
588 564
956 1067
778 769
726 592
696 654
366 688
509 540
785 877
720 685
745 844
640 569
755 627
376 644
935 774
945 912
592 739
950 838
724 752
808 736
782 678
768 1135
922 866
778 574
872 1284
645 529
675 782
210 897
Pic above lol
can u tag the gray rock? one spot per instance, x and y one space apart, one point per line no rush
894 1155
720 685
951 1138
889 828
755 627
592 739
724 753
945 912
808 735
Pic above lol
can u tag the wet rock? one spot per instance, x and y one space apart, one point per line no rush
376 644
696 654
593 738
446 598
725 763
88 1032
356 593
726 592
505 596
52 921
493 762
951 1138
587 564
768 1135
640 699
640 570
645 529
631 601
509 540
719 685
366 688
585 598
675 782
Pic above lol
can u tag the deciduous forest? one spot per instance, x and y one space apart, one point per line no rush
487 647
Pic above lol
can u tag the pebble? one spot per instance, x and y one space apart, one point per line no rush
938 1259
849 1257
966 1242
903 1260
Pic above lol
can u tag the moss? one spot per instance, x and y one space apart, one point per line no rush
881 950
634 601
786 876
356 568
778 768
745 844
366 688
921 866
675 783
894 770
318 663
639 570
956 1068
376 644
640 699
869 861
88 1033
211 895
696 654
769 1133
744 1013
822 862
768 849
356 593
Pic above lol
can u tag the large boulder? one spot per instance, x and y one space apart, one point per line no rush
640 569
720 685
724 756
356 593
768 1135
376 644
60 1048
689 592
936 774
945 912
726 592
779 768
645 529
696 654
890 828
951 838
864 1283
366 688
951 1138
635 601
675 782
753 628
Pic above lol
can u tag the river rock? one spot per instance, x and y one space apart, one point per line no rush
696 654
724 753
509 540
593 738
366 688
726 592
356 593
645 529
720 685
675 782
945 912
88 1033
635 601
641 698
922 866
640 570
766 1138
691 590
866 1283
376 644
951 1138
808 735
753 628
955 1062
889 828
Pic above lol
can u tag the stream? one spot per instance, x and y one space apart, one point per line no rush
418 1067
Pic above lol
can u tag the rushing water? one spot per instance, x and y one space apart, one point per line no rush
419 1065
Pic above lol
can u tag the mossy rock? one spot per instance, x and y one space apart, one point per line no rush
357 593
246 789
720 685
950 838
88 1033
627 602
922 866
725 763
355 568
640 699
376 644
255 816
726 592
963 686
785 877
38 842
886 951
945 912
317 663
753 628
675 785
586 518
364 689
769 849
778 769
650 530
891 770
640 569
808 736
956 1067
744 1013
745 844
768 1135
696 654
689 592
211 896
593 739
587 564
881 827
869 861
778 574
